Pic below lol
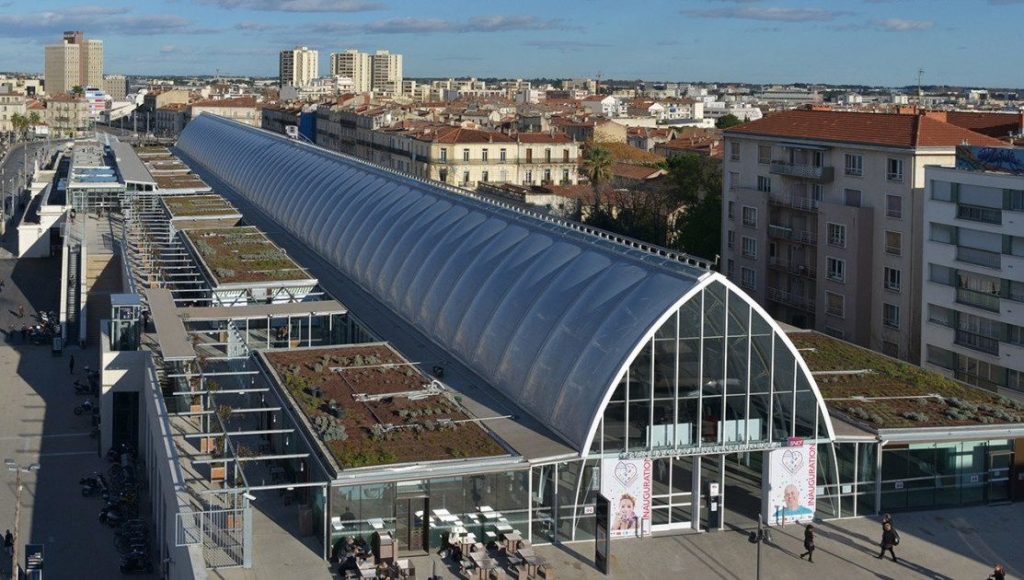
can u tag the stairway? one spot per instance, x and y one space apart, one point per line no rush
74 302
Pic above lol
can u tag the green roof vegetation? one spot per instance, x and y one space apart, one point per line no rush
243 254
197 205
893 394
377 409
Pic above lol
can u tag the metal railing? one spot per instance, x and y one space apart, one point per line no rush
977 342
788 233
979 257
800 202
817 173
793 268
977 213
981 300
790 299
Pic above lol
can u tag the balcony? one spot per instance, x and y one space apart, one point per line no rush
819 174
977 342
979 257
977 299
800 202
801 270
977 213
788 233
791 300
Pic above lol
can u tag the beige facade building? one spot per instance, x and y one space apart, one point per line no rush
822 220
386 72
11 104
354 65
67 115
160 99
243 109
299 66
116 86
73 62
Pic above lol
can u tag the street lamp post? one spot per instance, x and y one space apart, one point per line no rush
763 535
12 465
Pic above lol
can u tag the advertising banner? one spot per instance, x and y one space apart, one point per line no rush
790 483
627 485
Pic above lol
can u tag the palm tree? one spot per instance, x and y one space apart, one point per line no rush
20 124
598 165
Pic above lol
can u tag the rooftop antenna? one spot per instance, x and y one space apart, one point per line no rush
597 85
920 93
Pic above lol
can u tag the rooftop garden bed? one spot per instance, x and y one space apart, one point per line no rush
152 150
243 254
198 205
894 394
370 407
179 181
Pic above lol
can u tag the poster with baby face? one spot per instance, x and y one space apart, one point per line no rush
792 477
627 485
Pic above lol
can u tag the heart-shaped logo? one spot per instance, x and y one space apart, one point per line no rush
626 473
792 460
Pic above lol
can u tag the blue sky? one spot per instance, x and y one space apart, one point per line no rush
877 42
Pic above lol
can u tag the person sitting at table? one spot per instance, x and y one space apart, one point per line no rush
457 555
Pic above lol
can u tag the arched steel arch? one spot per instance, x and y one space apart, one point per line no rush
549 315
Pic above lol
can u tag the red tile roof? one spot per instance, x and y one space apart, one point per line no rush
446 134
892 130
543 138
636 172
235 102
997 125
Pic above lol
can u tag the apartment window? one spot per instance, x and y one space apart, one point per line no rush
547 156
817 193
944 234
890 315
894 206
851 197
893 243
732 210
565 176
503 154
854 165
732 239
749 247
483 155
730 267
750 216
444 155
836 234
465 177
483 176
835 304
893 279
565 156
734 151
734 179
529 176
1014 199
504 176
443 175
764 154
835 332
547 176
941 315
748 278
465 154
764 184
529 155
894 169
835 269
890 348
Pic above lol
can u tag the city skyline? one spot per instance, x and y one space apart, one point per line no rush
712 40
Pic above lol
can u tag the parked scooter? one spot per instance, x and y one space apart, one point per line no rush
95 484
82 388
112 515
85 407
136 563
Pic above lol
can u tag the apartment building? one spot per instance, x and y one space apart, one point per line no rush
67 115
386 72
73 62
354 65
11 104
973 325
242 109
116 86
823 219
298 66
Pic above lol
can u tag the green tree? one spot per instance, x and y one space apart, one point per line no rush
726 121
598 165
697 229
685 177
20 124
77 90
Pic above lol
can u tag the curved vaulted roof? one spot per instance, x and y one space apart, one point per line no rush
548 313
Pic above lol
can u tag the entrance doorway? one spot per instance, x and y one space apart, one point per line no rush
411 525
741 497
672 494
999 476
125 424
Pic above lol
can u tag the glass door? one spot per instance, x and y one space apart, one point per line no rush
999 476
672 497
410 525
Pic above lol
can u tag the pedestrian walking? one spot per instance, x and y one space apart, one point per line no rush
71 364
887 519
998 573
21 311
808 543
890 539
24 333
9 543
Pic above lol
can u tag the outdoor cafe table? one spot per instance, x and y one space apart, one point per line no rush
512 540
533 561
484 563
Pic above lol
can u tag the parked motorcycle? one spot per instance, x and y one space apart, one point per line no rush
94 484
85 407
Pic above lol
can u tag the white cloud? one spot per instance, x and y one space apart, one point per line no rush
902 24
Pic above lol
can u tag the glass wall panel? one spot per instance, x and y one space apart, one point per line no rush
782 385
640 388
543 500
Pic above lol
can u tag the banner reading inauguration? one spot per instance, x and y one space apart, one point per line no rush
791 480
627 485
